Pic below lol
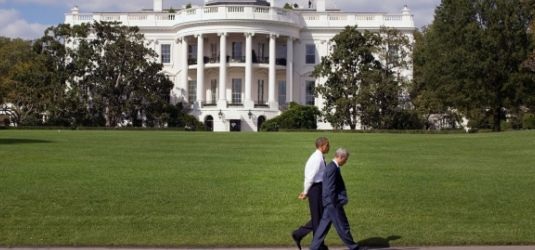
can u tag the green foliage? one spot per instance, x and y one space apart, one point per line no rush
111 77
470 58
528 121
287 6
363 79
188 6
23 81
179 118
350 65
405 119
296 117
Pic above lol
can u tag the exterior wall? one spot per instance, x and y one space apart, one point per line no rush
211 25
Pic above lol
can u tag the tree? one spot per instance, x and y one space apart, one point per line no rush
108 74
350 65
382 97
288 6
24 93
364 80
425 100
474 50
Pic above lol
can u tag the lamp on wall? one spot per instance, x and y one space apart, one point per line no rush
250 114
220 114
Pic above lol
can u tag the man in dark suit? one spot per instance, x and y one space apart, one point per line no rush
334 199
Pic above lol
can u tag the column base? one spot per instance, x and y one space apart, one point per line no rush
197 105
248 104
274 105
222 104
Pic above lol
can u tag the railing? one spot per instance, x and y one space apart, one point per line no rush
237 59
260 59
208 104
301 19
192 61
261 105
213 60
321 19
280 61
198 14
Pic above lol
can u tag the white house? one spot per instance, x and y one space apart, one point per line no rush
239 62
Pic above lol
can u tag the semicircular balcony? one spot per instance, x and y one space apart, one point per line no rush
193 15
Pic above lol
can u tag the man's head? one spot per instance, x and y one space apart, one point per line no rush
322 144
341 156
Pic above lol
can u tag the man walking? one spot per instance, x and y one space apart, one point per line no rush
314 170
334 199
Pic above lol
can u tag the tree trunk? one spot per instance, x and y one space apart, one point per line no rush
497 119
107 116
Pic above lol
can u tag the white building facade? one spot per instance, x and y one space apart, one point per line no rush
239 63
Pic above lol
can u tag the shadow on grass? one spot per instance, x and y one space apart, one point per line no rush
379 242
11 141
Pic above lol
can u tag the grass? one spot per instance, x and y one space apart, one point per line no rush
167 188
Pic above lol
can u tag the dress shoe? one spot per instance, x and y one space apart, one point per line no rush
297 240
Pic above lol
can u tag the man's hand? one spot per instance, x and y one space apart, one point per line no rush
302 196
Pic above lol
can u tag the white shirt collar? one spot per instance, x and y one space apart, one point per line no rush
338 166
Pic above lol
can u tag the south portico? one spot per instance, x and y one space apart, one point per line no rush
224 81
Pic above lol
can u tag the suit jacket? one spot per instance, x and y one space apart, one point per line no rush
334 188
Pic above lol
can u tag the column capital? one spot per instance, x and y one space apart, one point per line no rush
273 35
222 34
199 35
249 34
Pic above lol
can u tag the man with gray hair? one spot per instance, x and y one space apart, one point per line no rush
334 199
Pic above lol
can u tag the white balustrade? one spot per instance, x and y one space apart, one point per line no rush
199 14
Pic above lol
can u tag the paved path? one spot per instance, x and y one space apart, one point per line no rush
392 248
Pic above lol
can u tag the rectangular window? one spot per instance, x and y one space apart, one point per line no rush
213 89
260 92
236 50
236 91
192 51
310 85
282 92
213 49
310 54
165 53
192 91
261 50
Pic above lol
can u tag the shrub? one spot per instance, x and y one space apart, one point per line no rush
528 121
405 119
296 117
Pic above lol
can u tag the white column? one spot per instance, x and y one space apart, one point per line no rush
272 73
248 102
222 102
289 69
200 69
185 66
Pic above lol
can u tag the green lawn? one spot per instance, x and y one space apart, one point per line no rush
149 188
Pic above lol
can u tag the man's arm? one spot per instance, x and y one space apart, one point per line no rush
311 169
330 181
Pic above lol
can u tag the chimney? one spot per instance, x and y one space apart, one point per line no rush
320 6
158 5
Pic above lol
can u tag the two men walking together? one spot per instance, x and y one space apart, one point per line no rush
325 190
